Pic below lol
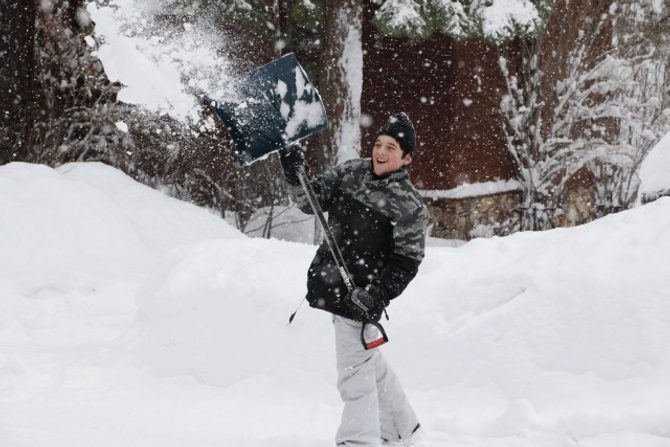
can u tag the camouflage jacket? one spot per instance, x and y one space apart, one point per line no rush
379 224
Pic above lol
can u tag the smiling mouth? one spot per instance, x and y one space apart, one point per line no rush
381 161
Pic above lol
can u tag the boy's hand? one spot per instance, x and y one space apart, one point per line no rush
291 159
364 306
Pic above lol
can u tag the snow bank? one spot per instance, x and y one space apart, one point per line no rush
75 242
129 318
161 222
563 331
53 224
569 324
655 171
219 311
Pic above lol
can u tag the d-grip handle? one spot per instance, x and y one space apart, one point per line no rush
374 343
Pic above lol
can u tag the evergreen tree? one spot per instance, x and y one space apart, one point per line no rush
461 19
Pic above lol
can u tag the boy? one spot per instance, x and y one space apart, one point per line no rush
379 222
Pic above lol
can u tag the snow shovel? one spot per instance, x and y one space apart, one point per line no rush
279 107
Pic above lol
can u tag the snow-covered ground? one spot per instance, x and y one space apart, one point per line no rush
128 318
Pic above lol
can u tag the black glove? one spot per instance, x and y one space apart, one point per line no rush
292 158
364 306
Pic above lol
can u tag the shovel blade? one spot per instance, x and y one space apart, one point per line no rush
278 106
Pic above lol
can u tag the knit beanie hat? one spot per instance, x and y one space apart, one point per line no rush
400 127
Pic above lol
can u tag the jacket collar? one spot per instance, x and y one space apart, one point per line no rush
396 176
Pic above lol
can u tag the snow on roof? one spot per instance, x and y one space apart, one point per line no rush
655 170
472 190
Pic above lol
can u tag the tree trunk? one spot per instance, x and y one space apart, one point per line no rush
341 80
18 95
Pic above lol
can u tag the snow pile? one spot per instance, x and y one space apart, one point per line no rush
655 171
161 68
563 331
160 222
89 221
219 311
129 318
75 243
70 229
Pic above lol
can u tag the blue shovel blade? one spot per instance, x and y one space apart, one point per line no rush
279 106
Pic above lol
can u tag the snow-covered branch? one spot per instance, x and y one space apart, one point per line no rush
602 112
495 20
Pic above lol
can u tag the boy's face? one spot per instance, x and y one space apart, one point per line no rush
387 156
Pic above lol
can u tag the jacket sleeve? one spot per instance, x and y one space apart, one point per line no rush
323 184
409 236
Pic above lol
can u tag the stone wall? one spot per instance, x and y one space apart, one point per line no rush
577 207
470 217
499 215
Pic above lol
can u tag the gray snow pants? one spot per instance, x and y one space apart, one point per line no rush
375 405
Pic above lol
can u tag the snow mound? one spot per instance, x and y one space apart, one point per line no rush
534 330
50 223
219 311
557 338
160 221
89 218
75 243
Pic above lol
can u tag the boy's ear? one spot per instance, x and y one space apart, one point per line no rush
407 159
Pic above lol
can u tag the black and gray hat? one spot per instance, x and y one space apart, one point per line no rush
400 127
